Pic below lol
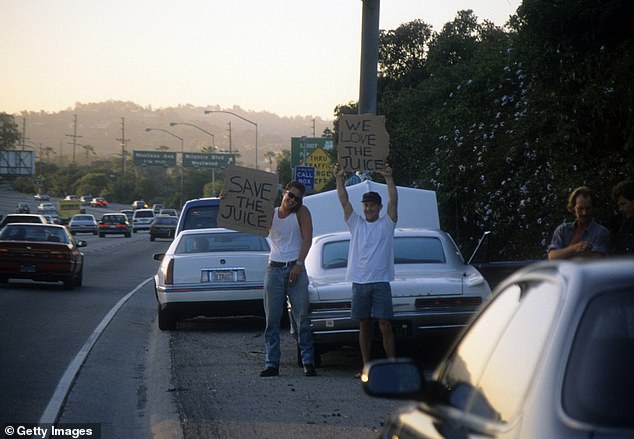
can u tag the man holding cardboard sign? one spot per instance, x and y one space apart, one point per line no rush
291 236
371 261
363 142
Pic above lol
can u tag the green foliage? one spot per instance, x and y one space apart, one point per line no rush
9 133
503 124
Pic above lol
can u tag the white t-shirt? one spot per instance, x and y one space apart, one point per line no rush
285 237
371 254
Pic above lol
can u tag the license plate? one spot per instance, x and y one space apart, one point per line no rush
235 275
27 268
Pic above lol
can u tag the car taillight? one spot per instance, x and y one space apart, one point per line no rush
169 273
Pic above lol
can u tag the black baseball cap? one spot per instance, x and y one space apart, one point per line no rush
371 197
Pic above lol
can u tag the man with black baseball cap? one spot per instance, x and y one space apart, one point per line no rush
371 261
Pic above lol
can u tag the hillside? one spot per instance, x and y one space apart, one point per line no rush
100 126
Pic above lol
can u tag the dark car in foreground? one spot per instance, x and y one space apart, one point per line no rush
40 252
163 226
550 356
114 224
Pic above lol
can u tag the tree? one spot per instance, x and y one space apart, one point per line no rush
9 133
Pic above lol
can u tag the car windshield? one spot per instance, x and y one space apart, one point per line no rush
407 250
201 217
222 242
599 382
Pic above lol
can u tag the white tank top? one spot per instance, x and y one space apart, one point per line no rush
285 237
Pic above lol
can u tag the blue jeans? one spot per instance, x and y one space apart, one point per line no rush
276 288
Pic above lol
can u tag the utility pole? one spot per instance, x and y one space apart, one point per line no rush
123 142
313 127
229 136
74 136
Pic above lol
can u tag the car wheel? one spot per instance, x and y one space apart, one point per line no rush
94 233
152 238
128 235
133 231
101 235
69 282
166 320
4 279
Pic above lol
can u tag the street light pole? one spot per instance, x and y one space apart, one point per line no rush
246 120
213 137
182 148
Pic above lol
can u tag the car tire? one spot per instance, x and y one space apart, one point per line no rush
166 320
69 282
152 238
94 233
102 235
128 235
133 231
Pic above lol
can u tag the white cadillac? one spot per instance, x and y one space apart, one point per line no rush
434 289
210 272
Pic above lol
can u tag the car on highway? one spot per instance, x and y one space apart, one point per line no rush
157 208
210 272
114 224
98 202
163 226
199 213
40 252
23 218
550 356
23 208
46 205
85 199
41 197
141 219
170 212
433 292
139 204
82 223
72 198
128 213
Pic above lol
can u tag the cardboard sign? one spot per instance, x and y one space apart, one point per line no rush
363 142
249 200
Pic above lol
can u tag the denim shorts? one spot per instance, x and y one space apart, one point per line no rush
373 300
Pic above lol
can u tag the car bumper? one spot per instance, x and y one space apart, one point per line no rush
82 230
222 300
160 233
114 231
335 327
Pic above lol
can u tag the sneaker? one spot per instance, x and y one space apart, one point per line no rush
309 370
270 372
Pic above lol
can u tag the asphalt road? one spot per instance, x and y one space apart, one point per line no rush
199 381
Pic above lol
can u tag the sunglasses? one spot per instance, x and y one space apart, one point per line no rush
292 196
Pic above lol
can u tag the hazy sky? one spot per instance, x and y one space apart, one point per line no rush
289 57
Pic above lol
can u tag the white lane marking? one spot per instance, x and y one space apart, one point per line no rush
61 391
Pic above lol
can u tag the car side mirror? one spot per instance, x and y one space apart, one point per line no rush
81 243
158 256
395 379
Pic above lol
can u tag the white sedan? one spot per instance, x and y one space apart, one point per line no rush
210 272
433 290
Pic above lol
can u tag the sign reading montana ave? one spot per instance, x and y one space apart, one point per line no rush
207 160
154 158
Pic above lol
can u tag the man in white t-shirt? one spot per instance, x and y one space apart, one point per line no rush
371 261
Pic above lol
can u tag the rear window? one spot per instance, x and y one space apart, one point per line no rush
114 219
407 250
200 217
143 214
165 220
27 233
599 382
222 242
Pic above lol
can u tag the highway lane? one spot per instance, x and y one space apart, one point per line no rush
43 326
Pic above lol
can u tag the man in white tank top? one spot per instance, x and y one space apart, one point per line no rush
291 235
371 261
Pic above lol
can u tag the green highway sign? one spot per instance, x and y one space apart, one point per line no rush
207 160
154 158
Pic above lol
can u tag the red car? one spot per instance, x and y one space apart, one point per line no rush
98 202
40 252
